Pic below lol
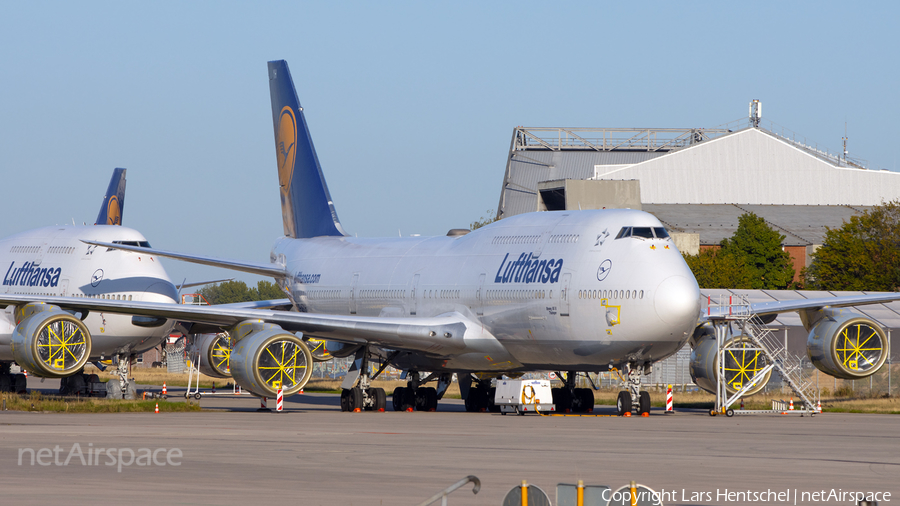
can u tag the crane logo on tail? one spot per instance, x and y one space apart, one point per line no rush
113 211
286 141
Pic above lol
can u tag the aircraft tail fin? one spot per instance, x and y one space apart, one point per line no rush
306 206
114 201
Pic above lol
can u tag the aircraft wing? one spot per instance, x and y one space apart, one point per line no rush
201 283
271 270
786 306
439 334
259 304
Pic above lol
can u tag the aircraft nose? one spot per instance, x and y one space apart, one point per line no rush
677 301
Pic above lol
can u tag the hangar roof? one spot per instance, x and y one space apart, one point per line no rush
700 180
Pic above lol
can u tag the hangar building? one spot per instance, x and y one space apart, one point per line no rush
698 182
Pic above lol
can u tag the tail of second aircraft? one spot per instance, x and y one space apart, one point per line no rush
114 201
306 207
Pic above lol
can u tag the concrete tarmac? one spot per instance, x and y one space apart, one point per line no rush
313 454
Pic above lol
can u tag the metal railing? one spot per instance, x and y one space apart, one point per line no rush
442 495
610 139
663 139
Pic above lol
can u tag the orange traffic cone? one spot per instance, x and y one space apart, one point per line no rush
164 388
157 408
742 403
791 406
819 406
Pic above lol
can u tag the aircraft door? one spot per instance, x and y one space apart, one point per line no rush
413 295
564 294
479 296
353 285
63 287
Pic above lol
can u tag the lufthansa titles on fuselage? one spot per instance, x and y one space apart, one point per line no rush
529 269
31 275
307 279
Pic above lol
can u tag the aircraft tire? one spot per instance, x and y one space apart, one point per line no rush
470 401
6 382
623 403
644 402
355 399
345 400
397 398
75 384
380 399
20 383
563 400
586 396
492 395
423 399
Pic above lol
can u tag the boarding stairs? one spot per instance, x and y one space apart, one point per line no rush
737 309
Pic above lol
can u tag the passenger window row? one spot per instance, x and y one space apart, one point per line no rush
564 238
516 239
24 249
610 294
505 295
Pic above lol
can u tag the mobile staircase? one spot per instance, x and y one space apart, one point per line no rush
761 342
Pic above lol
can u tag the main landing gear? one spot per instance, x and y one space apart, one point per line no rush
361 396
481 395
633 399
415 396
569 399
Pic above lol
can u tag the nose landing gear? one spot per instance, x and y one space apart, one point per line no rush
633 399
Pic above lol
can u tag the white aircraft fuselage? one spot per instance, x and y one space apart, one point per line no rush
53 261
557 290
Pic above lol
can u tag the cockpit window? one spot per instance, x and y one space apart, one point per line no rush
643 232
142 244
625 232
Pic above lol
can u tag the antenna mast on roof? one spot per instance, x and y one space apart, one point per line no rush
845 141
755 113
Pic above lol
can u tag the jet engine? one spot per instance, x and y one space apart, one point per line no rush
215 354
341 350
266 357
847 345
742 362
49 342
318 348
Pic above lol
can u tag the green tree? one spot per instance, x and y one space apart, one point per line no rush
237 291
759 247
863 254
266 290
751 258
489 218
714 268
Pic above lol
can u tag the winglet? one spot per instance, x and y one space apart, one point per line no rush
306 207
114 201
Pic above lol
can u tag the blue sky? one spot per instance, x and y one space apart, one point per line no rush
411 105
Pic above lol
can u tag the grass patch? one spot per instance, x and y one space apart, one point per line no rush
156 376
34 401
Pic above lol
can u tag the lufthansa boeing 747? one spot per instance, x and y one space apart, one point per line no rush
574 291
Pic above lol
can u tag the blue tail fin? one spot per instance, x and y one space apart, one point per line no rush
114 201
306 206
